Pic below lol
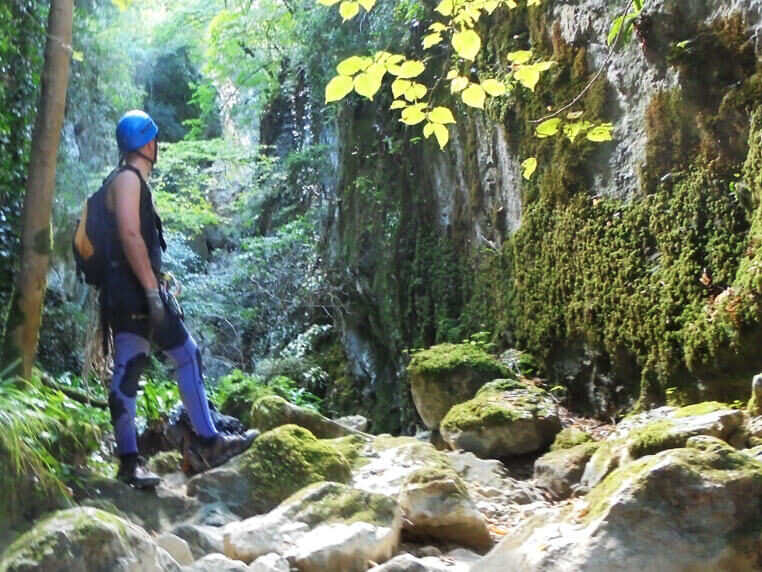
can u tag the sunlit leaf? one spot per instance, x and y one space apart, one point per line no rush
616 25
572 130
548 128
412 115
453 73
533 2
511 4
445 7
527 76
77 56
415 91
410 68
123 4
458 84
400 86
337 88
493 87
441 115
528 167
431 40
442 135
428 130
378 70
467 44
367 84
367 4
519 57
437 27
349 9
600 133
543 66
474 96
491 5
574 114
352 65
398 104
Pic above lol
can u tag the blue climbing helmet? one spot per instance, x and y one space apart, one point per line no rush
135 129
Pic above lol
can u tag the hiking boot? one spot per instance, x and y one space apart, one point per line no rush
224 447
133 471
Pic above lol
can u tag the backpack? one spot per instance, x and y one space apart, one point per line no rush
94 236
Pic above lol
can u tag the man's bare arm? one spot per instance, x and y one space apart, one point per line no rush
126 194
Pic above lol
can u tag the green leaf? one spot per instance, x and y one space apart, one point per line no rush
548 128
493 87
600 133
349 9
337 88
615 26
410 68
400 86
528 167
441 115
527 76
572 130
638 5
474 96
520 57
431 40
412 115
467 44
445 7
367 84
352 65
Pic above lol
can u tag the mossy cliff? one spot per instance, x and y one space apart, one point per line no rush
626 299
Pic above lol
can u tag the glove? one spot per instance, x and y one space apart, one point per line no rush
156 311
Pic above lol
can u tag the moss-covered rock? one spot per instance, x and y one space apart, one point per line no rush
273 411
447 374
165 462
560 470
570 437
85 538
506 417
286 459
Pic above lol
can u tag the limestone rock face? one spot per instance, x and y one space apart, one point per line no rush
217 563
327 526
177 548
436 504
694 508
86 538
558 471
201 539
447 374
505 418
271 562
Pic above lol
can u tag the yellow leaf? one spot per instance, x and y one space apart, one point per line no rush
77 56
437 27
528 167
491 6
442 135
328 2
533 2
400 86
511 4
467 44
452 74
378 70
445 7
527 76
493 87
410 68
520 57
122 4
441 115
352 65
349 9
543 66
574 114
428 129
337 88
548 128
431 40
474 96
367 84
600 133
458 84
415 91
398 104
367 4
412 115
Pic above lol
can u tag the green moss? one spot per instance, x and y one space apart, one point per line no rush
347 505
433 474
444 358
654 437
700 409
166 462
754 407
282 461
570 437
350 448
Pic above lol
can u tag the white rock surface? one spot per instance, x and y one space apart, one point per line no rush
177 548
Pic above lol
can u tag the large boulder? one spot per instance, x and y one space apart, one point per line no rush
273 411
695 508
560 470
436 504
279 463
658 430
326 526
447 374
86 538
505 418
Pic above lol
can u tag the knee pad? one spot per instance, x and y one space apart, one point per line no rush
132 370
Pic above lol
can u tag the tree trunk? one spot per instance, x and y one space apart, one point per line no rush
23 323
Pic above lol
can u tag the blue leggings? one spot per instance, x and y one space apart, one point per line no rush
130 358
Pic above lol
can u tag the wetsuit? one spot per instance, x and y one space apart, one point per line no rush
125 309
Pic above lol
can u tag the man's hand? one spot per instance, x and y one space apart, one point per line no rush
156 311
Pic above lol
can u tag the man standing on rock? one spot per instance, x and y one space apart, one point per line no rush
137 311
